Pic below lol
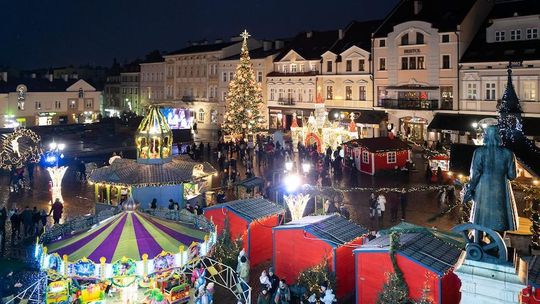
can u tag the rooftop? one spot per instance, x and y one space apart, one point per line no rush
203 48
36 84
380 144
258 53
254 208
310 45
357 33
443 15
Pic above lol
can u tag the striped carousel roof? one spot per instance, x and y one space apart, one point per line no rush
129 234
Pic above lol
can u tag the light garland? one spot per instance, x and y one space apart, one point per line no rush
19 148
297 204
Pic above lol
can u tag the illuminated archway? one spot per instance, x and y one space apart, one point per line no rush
313 137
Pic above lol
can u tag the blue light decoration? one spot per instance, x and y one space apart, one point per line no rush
83 268
51 159
54 263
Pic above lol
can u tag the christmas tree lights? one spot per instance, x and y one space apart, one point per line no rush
244 102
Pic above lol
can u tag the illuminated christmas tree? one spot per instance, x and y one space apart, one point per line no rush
244 102
510 121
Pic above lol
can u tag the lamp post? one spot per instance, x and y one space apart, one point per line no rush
57 172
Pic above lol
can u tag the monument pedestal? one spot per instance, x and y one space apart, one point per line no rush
489 283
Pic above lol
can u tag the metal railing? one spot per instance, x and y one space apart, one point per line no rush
182 216
34 293
225 277
286 102
410 104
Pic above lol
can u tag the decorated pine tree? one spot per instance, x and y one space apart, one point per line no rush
244 102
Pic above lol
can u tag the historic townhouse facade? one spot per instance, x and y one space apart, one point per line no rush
292 86
30 102
192 79
152 82
129 89
346 79
262 60
416 54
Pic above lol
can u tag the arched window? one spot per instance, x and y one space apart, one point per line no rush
201 115
405 39
419 38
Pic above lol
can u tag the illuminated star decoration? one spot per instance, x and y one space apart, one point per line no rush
245 35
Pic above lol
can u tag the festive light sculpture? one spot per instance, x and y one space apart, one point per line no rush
297 204
57 174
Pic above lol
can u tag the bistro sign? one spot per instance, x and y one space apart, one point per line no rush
411 51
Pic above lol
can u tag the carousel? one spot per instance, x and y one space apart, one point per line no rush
320 132
155 174
127 258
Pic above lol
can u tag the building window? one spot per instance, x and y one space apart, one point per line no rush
310 95
405 39
329 66
362 93
529 89
224 96
329 92
289 94
532 33
419 38
515 34
500 36
490 91
201 115
293 68
391 157
348 93
471 91
421 65
259 77
313 67
348 66
213 116
57 104
361 65
280 94
224 77
382 43
365 157
445 61
445 38
272 94
72 104
231 76
382 64
89 103
37 105
412 63
301 67
404 63
81 93
300 96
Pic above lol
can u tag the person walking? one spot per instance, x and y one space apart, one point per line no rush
3 219
429 174
274 281
403 203
441 198
15 226
394 206
27 221
381 205
372 205
56 210
283 293
43 218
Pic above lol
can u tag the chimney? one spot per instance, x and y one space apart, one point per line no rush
33 75
219 40
417 6
267 45
65 77
309 34
279 44
340 34
4 76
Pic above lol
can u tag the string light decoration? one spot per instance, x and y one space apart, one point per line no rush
57 174
244 103
395 290
19 148
297 204
312 278
226 250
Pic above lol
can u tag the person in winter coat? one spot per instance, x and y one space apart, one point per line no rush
274 281
27 221
56 210
381 206
372 206
15 226
264 297
243 274
265 280
283 294
403 203
35 221
327 295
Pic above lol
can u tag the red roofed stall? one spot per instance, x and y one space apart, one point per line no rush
304 243
251 220
372 155
426 257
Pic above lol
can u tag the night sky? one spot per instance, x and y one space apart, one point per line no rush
37 33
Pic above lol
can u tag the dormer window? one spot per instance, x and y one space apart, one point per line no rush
293 68
419 38
532 33
329 66
405 39
515 35
500 36
81 93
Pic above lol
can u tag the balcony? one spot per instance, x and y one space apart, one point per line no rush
286 102
410 104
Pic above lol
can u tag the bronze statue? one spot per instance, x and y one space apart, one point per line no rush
492 169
